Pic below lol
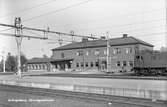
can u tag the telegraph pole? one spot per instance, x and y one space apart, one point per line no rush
18 31
107 38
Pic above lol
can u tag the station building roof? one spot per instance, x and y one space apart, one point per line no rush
46 60
103 43
39 60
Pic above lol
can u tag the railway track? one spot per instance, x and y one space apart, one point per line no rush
109 76
131 102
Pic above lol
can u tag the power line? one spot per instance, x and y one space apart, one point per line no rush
6 29
141 29
48 31
55 11
27 36
150 34
93 21
49 38
27 9
129 24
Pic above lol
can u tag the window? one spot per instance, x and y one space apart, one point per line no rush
86 64
124 63
131 63
77 64
82 64
116 51
97 52
36 66
91 64
44 66
141 58
69 65
79 53
137 57
105 52
128 50
56 66
87 53
39 66
62 55
32 66
118 63
97 64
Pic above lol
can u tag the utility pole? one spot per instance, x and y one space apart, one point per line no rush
18 31
72 35
107 39
60 40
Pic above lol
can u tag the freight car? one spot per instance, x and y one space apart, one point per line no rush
150 63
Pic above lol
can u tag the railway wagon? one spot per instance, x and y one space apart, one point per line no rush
150 63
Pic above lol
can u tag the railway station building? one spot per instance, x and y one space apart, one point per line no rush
91 55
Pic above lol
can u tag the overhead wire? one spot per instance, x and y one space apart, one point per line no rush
127 15
139 29
27 9
47 38
58 10
6 29
128 24
70 7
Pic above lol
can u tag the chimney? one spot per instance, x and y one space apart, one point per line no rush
125 35
84 39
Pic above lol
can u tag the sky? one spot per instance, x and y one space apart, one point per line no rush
143 19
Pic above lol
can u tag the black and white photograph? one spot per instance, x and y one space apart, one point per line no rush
83 53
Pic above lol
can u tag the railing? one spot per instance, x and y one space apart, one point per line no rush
138 93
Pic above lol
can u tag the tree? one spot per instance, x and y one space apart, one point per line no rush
45 56
1 66
11 63
23 62
23 59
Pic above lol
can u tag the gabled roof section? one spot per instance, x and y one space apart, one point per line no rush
102 43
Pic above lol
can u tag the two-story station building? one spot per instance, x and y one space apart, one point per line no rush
91 55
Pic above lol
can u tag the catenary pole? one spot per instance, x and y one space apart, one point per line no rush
18 31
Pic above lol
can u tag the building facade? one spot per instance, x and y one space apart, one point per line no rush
91 55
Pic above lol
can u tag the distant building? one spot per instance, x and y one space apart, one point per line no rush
39 64
91 55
